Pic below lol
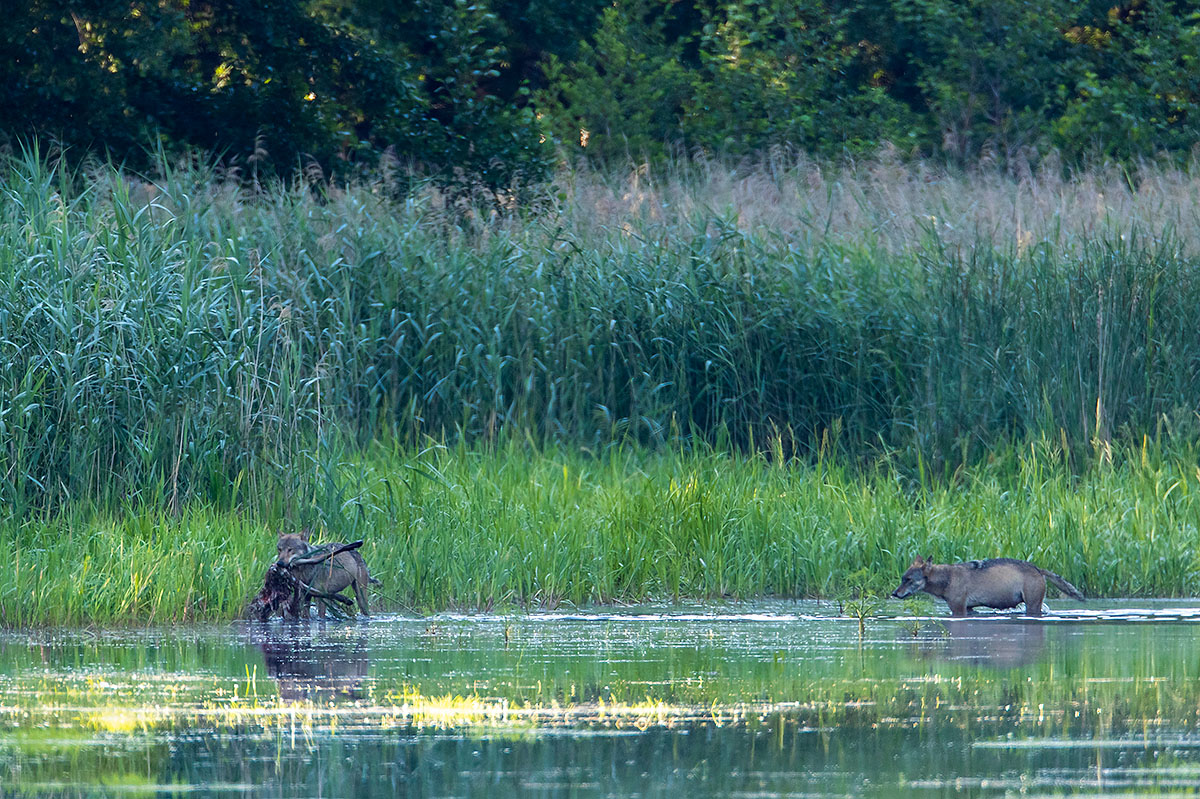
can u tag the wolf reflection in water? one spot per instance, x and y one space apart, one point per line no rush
995 643
318 671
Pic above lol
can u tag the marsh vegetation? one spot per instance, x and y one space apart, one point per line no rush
715 381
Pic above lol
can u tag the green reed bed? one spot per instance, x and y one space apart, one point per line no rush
513 527
184 338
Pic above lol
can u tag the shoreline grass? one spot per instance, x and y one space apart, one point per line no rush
510 527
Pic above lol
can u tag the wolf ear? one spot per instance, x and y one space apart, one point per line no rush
917 562
304 534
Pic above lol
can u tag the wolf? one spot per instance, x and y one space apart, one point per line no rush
329 576
995 583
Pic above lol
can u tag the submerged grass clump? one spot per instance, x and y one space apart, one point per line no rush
487 528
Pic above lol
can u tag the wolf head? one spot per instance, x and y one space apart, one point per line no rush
913 579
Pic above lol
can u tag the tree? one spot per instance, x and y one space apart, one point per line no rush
1140 90
296 80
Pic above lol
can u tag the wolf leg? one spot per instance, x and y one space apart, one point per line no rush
1034 592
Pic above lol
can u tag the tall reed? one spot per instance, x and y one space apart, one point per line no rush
183 338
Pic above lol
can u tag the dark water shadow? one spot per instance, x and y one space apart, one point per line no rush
311 666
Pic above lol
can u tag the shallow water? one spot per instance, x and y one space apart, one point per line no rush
764 699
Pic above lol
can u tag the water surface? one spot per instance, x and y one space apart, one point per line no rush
764 699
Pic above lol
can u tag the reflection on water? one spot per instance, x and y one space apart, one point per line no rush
774 699
314 668
984 642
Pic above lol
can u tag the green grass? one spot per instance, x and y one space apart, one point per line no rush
514 527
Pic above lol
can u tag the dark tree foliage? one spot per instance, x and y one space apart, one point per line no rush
275 83
950 78
485 92
473 64
1139 89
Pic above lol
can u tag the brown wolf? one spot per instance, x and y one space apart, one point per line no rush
330 576
995 583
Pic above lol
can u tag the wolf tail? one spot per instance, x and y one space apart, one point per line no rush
1063 585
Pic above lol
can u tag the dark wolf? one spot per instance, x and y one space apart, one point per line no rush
996 583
